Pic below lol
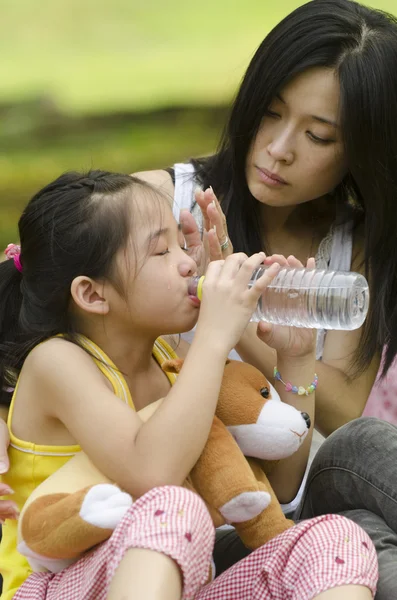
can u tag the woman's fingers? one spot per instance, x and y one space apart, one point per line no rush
203 201
276 258
189 229
311 263
291 261
214 247
214 218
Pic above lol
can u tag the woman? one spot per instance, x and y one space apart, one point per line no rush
308 166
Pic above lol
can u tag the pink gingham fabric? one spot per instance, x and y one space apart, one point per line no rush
169 519
302 562
299 564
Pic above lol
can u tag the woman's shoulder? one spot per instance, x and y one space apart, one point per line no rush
158 178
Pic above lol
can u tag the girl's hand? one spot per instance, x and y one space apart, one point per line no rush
228 302
291 342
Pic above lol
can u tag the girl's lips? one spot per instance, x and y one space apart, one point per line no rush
271 178
194 300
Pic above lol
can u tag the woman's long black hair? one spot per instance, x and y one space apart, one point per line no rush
360 44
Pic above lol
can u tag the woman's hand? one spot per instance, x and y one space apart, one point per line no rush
290 342
215 233
215 224
8 509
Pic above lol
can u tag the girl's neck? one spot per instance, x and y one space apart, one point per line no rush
130 352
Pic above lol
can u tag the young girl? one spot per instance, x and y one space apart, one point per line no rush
101 273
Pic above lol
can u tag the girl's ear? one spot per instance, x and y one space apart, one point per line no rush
88 295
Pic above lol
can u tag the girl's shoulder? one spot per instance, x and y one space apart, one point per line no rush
58 361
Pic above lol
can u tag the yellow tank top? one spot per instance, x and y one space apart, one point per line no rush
31 464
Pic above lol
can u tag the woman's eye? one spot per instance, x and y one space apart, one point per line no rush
318 140
272 114
162 253
184 248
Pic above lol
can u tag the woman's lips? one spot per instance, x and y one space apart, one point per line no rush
271 178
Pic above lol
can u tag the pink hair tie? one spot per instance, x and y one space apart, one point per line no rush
14 251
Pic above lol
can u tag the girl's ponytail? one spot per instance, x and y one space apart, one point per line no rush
10 308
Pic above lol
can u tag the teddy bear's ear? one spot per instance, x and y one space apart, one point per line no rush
172 366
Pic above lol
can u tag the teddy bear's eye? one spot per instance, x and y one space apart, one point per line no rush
265 392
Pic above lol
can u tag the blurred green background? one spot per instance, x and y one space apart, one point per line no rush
118 84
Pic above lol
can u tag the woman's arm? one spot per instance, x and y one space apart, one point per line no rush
339 397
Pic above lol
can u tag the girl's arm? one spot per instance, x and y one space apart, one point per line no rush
139 456
135 455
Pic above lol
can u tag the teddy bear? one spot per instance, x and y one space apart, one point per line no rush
77 508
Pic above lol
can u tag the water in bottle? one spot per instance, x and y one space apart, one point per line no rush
312 298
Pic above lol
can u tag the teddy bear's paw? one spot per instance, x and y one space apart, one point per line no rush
105 505
245 506
40 563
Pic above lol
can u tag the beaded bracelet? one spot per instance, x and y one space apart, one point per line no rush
301 391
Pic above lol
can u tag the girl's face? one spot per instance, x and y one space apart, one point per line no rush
156 299
298 154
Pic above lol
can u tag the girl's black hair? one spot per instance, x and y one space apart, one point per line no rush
360 44
74 226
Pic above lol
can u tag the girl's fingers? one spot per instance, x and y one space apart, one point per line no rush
265 279
248 266
234 264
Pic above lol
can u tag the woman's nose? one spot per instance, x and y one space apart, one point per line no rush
280 148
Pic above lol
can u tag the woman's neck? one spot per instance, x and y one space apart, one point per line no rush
296 230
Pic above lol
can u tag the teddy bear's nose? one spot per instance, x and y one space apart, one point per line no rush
307 419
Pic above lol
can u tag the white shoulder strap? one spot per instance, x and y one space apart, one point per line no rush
185 185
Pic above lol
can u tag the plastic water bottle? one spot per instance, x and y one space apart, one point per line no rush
312 298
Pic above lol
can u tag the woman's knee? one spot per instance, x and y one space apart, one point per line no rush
353 441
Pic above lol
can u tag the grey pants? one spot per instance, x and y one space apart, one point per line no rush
354 474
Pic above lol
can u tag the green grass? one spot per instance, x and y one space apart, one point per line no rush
98 56
120 147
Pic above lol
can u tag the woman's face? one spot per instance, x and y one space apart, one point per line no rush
298 154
